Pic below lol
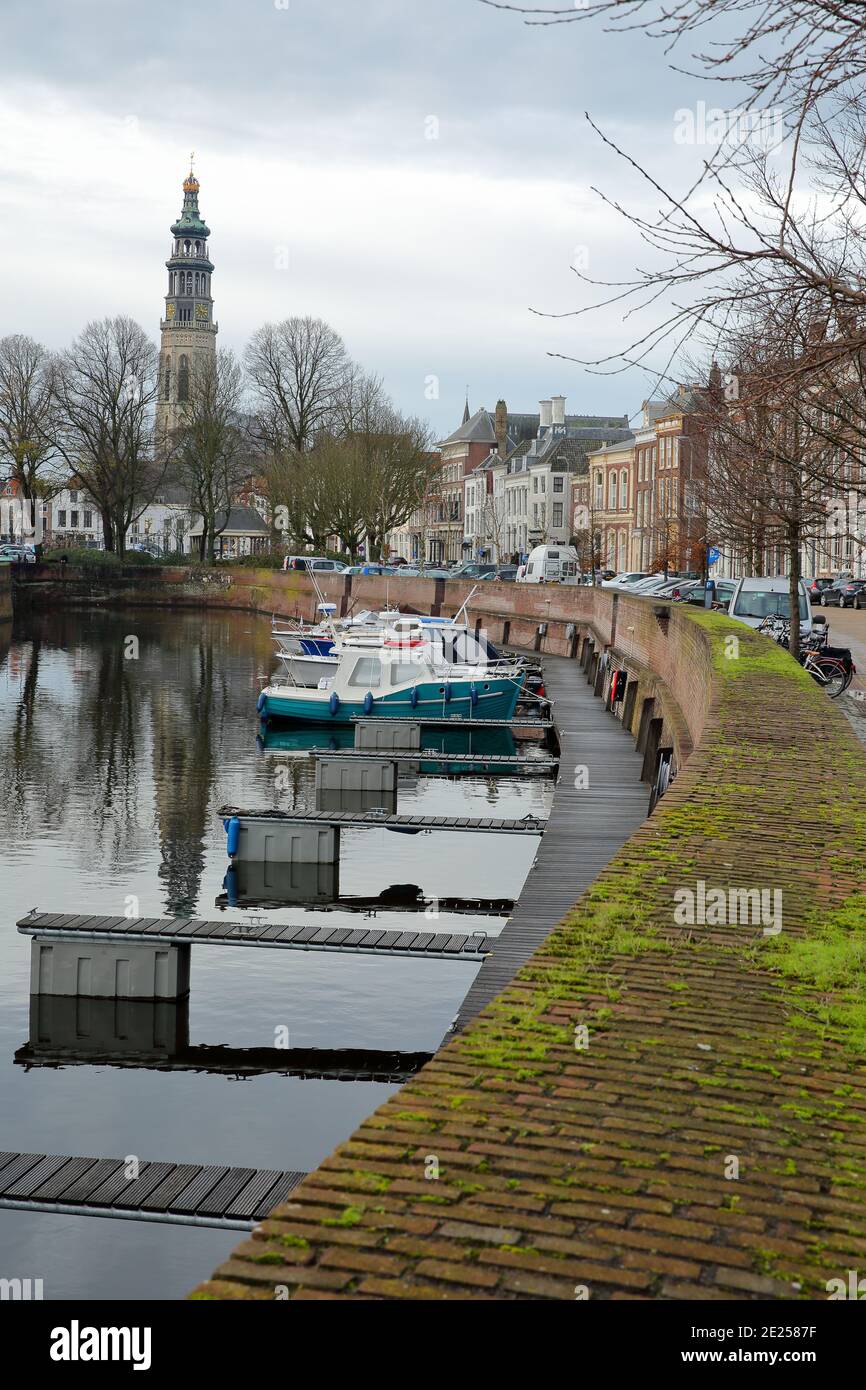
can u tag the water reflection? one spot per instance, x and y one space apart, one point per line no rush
111 774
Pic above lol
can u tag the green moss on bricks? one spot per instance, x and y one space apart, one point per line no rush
350 1216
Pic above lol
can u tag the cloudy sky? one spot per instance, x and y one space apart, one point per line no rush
312 122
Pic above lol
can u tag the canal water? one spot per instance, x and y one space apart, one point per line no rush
121 734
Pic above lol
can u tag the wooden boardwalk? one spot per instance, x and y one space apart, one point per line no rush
187 1193
193 931
588 824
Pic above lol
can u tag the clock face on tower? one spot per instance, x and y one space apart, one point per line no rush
169 311
201 311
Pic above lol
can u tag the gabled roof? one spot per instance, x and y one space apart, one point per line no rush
616 446
242 521
478 429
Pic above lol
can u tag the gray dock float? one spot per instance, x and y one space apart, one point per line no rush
338 820
194 931
185 1193
587 826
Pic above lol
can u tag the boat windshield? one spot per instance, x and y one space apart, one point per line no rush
367 672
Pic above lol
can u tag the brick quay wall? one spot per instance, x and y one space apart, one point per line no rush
669 1100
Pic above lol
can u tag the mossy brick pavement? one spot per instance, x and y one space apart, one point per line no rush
605 1171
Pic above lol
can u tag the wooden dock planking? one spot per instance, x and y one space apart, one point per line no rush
528 825
194 931
508 762
587 826
234 1198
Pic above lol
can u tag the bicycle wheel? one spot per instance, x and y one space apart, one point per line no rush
831 675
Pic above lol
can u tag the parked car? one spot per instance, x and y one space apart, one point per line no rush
625 581
313 562
831 596
815 587
507 573
852 593
695 593
371 568
473 570
755 599
15 554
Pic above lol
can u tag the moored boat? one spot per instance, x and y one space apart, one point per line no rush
402 678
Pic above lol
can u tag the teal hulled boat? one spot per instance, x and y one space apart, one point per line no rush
400 681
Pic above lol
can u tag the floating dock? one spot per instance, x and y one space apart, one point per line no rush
341 820
467 724
193 931
504 762
191 1194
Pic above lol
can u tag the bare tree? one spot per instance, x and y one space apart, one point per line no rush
771 466
791 50
785 218
105 389
398 464
296 370
210 451
27 416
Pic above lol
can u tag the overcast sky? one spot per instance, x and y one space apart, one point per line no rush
310 121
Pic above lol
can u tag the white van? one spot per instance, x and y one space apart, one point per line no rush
550 564
754 599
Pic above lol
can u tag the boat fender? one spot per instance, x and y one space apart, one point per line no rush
473 694
368 702
230 883
413 698
233 836
447 691
334 702
261 702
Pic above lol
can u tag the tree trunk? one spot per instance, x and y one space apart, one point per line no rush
107 529
794 592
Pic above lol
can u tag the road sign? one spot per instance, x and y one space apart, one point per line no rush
713 555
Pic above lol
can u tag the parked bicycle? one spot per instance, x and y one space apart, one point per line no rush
831 667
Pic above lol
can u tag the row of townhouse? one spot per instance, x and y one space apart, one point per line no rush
168 525
630 497
504 484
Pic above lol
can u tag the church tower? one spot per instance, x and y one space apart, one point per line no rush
188 331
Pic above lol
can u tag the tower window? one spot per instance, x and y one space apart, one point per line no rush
186 248
166 388
183 380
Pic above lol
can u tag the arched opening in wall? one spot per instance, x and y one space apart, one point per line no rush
653 740
628 707
645 716
166 379
183 379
